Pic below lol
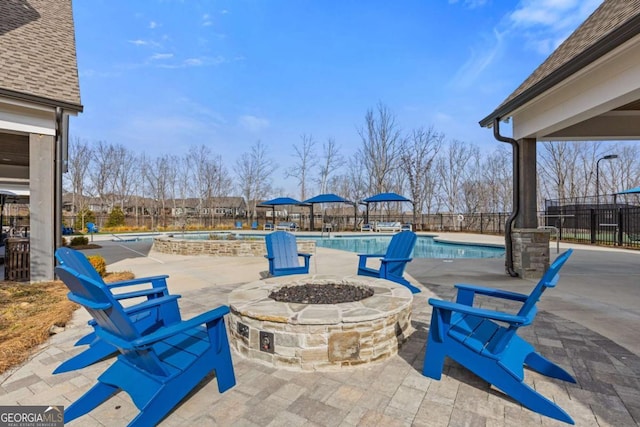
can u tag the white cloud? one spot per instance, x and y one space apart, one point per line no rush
478 61
160 56
153 24
203 61
206 20
545 24
253 123
139 42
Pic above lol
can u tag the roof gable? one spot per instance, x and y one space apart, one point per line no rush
38 52
610 25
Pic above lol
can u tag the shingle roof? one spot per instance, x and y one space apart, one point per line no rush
38 51
613 23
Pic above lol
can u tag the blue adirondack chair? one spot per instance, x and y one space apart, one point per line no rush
283 255
254 225
472 337
238 225
92 228
157 369
160 308
394 261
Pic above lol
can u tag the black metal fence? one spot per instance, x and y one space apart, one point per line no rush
606 223
609 224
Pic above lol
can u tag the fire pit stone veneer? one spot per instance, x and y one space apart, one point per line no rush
311 337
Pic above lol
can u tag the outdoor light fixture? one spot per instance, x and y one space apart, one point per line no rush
607 157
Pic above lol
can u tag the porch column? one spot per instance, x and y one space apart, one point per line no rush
530 246
527 216
41 206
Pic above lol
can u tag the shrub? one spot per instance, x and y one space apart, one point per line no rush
98 262
79 241
83 217
116 217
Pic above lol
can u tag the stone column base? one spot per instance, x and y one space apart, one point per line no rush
530 252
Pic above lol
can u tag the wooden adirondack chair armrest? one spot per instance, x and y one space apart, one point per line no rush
141 293
479 312
466 293
156 281
146 305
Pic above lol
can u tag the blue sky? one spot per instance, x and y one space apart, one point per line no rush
162 75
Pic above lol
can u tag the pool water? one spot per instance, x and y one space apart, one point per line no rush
426 246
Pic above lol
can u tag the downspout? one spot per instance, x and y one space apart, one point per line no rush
57 199
516 196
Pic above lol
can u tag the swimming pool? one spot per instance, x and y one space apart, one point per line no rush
426 246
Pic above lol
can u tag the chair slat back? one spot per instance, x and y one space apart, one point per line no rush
283 248
109 316
77 261
401 246
548 280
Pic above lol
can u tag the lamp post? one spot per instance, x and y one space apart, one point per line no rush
607 157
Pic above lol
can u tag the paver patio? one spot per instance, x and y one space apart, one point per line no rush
389 393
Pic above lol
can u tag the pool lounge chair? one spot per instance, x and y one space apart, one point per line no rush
366 227
287 226
388 226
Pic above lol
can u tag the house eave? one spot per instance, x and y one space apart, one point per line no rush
40 100
606 44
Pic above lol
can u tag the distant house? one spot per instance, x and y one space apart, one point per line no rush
227 207
39 90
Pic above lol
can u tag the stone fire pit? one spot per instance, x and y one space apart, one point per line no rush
312 337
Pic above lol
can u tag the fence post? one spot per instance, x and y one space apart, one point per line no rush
620 226
593 218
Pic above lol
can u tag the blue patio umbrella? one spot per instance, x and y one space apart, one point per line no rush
326 198
280 201
383 197
630 191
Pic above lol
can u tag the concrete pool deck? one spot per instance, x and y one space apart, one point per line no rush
589 324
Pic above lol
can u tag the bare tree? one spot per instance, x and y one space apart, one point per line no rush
497 182
417 154
380 147
330 161
79 160
557 169
157 173
253 174
305 157
123 172
453 173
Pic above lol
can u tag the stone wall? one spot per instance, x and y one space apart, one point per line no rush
171 245
530 252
